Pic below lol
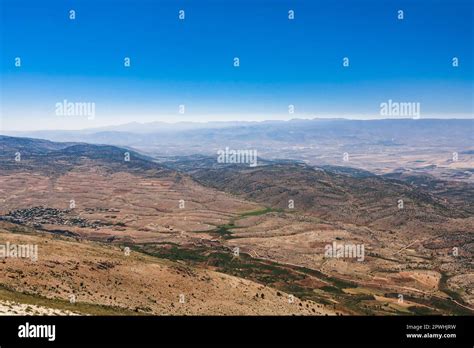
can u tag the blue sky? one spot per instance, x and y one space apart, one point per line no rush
190 62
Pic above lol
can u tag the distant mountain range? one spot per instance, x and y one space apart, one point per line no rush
388 132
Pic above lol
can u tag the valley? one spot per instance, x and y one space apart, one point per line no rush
185 236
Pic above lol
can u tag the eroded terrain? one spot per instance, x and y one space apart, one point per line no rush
133 237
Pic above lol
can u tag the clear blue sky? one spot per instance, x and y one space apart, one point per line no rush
190 62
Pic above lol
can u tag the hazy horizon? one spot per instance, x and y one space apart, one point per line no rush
202 124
